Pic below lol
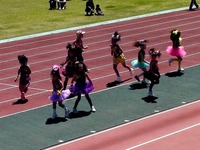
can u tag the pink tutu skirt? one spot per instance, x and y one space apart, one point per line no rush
87 88
137 64
55 97
178 52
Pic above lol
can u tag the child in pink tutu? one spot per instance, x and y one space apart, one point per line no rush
140 62
24 73
153 73
58 94
69 68
118 56
176 49
81 86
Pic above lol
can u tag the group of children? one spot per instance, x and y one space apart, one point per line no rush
75 68
152 73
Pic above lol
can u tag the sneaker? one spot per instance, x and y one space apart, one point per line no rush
170 61
93 109
67 112
119 79
75 111
150 93
54 116
131 72
137 78
180 70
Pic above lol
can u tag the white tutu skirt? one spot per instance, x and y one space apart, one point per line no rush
137 64
55 97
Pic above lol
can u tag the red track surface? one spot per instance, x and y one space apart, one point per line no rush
45 51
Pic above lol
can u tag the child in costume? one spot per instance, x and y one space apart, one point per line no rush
82 86
118 56
176 49
153 73
58 94
24 73
69 69
140 62
78 44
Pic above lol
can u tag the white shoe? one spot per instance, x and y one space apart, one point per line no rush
54 116
170 61
150 93
67 112
131 72
119 79
180 69
93 109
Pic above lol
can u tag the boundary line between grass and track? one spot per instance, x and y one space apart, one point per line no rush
90 25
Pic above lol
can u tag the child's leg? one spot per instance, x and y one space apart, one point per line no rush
77 100
65 108
179 62
116 70
54 115
90 102
23 89
130 69
89 99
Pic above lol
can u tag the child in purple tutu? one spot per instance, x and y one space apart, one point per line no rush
24 73
153 73
58 95
81 86
176 49
140 62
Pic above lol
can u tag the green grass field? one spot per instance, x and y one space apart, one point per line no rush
22 17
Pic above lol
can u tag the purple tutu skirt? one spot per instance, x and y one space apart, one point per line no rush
87 88
55 97
137 64
178 52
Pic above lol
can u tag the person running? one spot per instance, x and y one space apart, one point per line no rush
58 94
81 86
176 49
24 73
118 56
140 62
153 73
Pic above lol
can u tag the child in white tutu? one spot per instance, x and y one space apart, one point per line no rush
58 95
140 62
176 49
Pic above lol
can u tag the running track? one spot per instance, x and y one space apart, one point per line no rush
47 50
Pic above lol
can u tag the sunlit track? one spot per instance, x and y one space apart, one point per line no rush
125 43
153 28
95 30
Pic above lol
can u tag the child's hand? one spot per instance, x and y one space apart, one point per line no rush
59 92
16 79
